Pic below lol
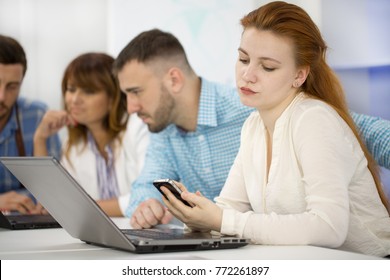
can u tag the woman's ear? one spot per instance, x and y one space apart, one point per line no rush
301 76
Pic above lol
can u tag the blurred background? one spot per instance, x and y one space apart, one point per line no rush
53 32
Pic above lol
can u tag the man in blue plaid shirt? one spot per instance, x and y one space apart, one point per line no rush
18 121
196 123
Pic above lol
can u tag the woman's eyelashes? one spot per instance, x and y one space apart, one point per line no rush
243 60
268 69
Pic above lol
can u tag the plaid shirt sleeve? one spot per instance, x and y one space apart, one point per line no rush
376 135
158 165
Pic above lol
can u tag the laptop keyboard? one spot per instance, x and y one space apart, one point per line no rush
32 218
21 221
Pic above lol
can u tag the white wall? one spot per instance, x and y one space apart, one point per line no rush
209 30
53 32
357 33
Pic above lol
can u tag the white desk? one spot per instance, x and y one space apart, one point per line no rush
43 244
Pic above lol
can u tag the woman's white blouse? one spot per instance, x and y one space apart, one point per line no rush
319 190
129 154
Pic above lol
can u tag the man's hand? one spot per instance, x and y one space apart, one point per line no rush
39 209
13 201
150 213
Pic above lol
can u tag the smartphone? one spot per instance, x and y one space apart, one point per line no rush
170 185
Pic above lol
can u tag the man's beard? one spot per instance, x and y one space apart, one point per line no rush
4 113
163 115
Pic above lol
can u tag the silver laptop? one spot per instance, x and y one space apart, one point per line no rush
82 218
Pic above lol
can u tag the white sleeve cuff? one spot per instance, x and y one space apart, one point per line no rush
123 202
233 222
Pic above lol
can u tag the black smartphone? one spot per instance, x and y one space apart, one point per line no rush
170 185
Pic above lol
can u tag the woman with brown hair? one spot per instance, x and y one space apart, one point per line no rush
104 149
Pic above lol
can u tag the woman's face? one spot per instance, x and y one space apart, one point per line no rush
265 70
87 107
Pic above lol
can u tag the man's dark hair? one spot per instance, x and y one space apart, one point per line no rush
11 52
150 45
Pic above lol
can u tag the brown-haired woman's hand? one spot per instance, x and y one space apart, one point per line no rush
50 124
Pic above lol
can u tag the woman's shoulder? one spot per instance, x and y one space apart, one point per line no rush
307 102
312 112
307 105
